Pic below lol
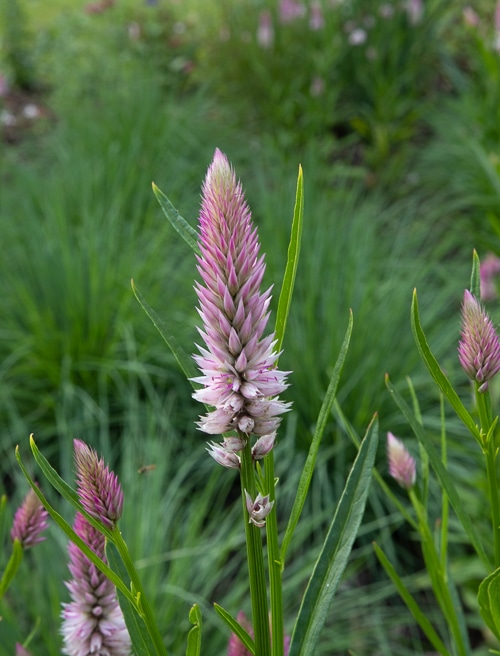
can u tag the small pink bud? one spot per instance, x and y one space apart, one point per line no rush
402 465
29 521
224 456
263 446
259 509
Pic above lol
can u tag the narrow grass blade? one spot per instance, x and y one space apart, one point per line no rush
410 602
179 224
194 636
141 640
475 278
337 547
101 565
285 298
444 478
435 371
11 568
236 628
307 472
489 602
185 361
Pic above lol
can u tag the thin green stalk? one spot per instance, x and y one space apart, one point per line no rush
138 592
438 576
490 450
445 504
255 557
274 563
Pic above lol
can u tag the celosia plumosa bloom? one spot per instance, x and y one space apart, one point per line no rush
239 375
479 347
29 521
93 622
98 488
402 465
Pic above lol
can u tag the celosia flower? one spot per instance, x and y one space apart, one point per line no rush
488 271
93 621
265 30
316 20
236 648
479 348
259 509
290 10
30 521
239 376
402 465
98 488
21 650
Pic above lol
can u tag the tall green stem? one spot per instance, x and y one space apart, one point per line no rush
255 557
490 450
274 563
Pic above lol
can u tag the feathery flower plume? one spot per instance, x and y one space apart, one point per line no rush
479 347
402 465
93 621
239 377
29 522
98 487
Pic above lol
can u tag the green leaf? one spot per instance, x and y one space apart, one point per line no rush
179 224
101 565
142 643
412 605
489 601
236 628
334 555
12 566
435 371
475 278
307 472
285 298
445 479
185 361
194 636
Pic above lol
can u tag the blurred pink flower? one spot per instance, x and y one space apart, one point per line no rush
489 272
357 37
317 87
265 30
316 19
415 11
29 522
21 650
479 347
290 10
402 465
237 648
470 17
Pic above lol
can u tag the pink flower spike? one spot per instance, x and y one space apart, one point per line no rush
238 373
479 347
98 488
316 20
265 30
93 622
21 650
29 522
402 465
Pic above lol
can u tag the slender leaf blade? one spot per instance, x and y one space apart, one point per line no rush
475 278
334 555
179 224
307 472
142 643
285 298
185 361
236 628
11 568
435 370
410 602
445 479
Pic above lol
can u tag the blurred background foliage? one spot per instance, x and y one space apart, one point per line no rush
393 110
